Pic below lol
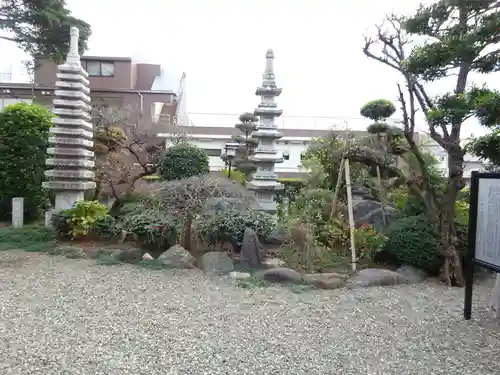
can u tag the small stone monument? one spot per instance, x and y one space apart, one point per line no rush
17 212
264 179
70 154
251 250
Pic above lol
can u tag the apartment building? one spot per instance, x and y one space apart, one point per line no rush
114 81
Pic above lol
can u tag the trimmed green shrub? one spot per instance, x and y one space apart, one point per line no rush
106 227
412 240
292 187
154 229
230 226
378 109
235 175
183 160
24 131
80 219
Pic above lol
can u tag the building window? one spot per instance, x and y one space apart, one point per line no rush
97 68
213 152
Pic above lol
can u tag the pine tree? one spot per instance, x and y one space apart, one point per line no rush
247 145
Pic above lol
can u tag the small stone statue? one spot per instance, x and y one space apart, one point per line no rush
251 250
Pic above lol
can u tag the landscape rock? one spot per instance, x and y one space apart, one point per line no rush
72 252
273 263
366 210
326 280
277 237
239 275
376 277
216 262
251 250
413 275
131 255
94 252
147 256
177 257
280 275
372 212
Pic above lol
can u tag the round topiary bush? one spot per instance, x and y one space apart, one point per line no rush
411 240
24 131
183 160
378 109
377 128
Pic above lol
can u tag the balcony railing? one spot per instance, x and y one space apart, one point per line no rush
283 122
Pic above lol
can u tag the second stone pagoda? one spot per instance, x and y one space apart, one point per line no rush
264 181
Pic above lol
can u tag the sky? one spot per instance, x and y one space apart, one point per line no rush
221 47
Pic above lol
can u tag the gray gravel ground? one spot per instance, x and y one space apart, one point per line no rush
60 316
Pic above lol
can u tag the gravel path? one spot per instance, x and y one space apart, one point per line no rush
60 316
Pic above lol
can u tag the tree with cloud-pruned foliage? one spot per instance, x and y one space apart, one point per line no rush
462 38
242 160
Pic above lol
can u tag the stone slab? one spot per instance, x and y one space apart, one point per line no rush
70 173
72 122
72 94
78 113
71 141
73 77
73 132
81 152
73 69
80 163
69 185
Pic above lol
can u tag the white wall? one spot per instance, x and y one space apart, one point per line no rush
471 163
4 102
295 148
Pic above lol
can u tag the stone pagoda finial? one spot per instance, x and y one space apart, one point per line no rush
73 57
266 156
270 61
70 156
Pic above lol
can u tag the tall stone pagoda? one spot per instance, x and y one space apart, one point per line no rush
70 154
264 179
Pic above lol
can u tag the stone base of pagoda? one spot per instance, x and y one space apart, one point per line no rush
67 199
68 192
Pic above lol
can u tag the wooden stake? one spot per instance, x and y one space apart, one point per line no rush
381 192
351 214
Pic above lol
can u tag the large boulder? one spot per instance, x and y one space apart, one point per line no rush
278 236
325 280
280 275
177 257
251 253
376 277
366 210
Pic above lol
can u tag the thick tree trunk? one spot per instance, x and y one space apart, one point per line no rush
452 269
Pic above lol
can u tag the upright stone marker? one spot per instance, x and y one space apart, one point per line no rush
70 154
264 179
17 212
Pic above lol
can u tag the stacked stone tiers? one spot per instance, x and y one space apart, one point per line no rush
264 182
70 154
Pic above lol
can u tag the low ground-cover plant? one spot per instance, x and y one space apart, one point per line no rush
304 252
368 242
29 238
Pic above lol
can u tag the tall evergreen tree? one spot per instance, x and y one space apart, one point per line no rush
461 38
41 27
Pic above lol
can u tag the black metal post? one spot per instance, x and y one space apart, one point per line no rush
469 258
229 169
